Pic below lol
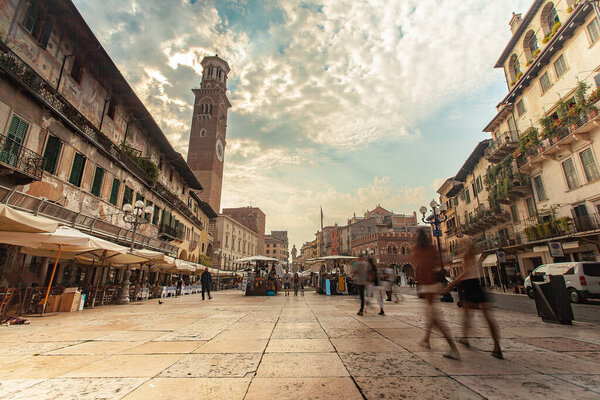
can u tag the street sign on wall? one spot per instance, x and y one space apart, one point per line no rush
556 249
501 256
437 232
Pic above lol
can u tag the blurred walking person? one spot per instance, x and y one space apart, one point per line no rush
374 288
296 283
427 262
474 297
205 281
359 270
287 277
388 282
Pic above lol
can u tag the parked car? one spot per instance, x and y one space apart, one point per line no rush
582 278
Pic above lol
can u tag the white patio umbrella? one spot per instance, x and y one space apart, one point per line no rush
69 240
254 258
18 221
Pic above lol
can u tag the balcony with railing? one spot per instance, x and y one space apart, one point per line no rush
23 164
170 233
484 220
505 144
545 227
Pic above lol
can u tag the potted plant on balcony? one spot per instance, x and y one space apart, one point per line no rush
530 232
594 96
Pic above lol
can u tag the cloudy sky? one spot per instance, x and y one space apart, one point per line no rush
344 104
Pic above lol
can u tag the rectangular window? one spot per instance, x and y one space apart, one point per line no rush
76 71
589 165
530 207
51 153
467 196
114 191
545 82
98 180
594 29
511 125
520 108
597 80
77 169
560 66
127 195
515 214
11 151
155 217
539 188
138 196
111 110
147 215
570 173
37 25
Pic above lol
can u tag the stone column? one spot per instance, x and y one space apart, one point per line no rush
43 271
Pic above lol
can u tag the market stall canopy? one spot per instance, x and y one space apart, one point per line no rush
155 257
490 261
18 221
254 258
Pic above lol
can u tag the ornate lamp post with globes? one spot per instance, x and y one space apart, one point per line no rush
134 215
438 215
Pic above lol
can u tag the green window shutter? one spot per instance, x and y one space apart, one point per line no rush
127 195
98 179
51 153
77 169
139 197
114 192
155 216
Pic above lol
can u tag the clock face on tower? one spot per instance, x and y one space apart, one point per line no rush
220 150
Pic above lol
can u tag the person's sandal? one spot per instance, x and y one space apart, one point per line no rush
498 354
425 344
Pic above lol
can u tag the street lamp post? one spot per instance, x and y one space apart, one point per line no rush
218 254
134 215
438 212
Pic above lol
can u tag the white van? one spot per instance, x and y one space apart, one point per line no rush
582 278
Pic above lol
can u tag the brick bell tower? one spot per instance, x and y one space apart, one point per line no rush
206 151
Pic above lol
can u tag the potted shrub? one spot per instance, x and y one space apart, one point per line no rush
528 63
555 28
530 232
519 75
594 96
535 54
564 224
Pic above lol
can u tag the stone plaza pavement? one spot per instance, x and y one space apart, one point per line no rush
311 347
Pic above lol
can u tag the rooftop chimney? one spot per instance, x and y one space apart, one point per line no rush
515 22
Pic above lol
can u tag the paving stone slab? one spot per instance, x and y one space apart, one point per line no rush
560 344
526 387
299 346
95 347
386 365
191 389
253 334
166 347
44 367
303 389
135 336
79 389
589 382
31 348
213 365
8 387
418 387
474 362
125 366
367 345
233 346
547 362
301 365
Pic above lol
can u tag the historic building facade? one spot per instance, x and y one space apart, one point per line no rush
77 143
539 171
253 218
232 241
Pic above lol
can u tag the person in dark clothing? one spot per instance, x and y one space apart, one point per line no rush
205 280
179 286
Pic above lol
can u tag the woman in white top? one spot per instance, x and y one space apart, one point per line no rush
474 297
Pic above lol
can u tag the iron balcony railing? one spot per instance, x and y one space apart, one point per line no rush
502 146
94 225
171 232
20 158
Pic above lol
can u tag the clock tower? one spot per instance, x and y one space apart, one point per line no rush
206 151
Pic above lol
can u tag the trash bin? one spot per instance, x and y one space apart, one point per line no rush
552 301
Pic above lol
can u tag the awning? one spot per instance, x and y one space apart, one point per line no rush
18 221
540 249
254 258
490 261
570 245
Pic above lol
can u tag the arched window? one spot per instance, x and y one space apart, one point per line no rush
549 18
403 250
395 250
389 249
514 68
530 45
